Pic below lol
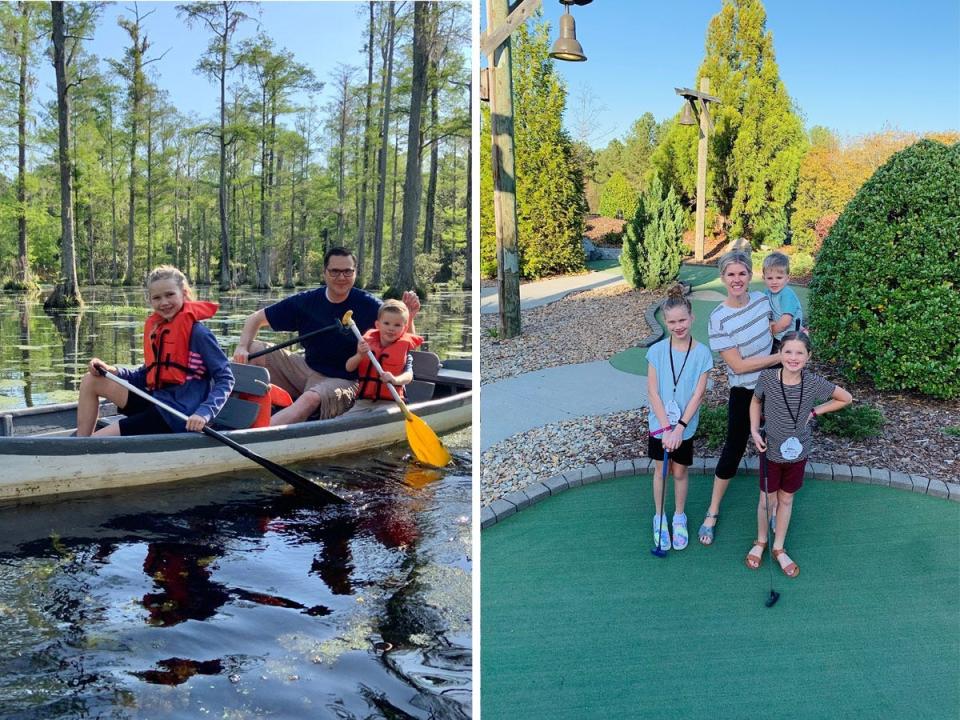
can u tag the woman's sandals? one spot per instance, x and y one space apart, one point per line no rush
791 569
753 561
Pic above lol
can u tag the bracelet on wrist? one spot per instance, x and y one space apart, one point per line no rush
681 422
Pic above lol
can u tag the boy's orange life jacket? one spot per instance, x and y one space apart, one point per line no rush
166 345
392 359
276 396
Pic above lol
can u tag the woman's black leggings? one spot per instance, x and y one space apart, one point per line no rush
738 432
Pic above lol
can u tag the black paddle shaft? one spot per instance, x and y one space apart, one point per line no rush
295 340
295 479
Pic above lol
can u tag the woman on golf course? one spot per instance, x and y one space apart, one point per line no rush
787 399
740 332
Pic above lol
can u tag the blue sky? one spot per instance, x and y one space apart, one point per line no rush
855 66
319 34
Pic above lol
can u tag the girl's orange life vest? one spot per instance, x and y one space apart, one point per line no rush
392 359
276 396
166 345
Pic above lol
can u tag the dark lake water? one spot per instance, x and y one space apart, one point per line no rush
230 597
42 358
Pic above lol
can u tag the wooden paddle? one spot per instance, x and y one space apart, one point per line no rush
298 481
424 443
339 325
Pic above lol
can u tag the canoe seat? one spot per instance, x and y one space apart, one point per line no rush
237 413
425 367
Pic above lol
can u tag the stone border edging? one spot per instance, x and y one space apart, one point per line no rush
518 500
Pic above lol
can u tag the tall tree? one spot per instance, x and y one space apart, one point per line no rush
66 293
222 20
20 32
365 172
422 35
388 44
550 199
132 70
758 142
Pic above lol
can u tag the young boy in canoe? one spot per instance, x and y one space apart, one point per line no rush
184 367
391 344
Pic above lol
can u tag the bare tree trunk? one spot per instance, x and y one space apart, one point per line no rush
226 279
384 142
468 281
405 278
66 293
365 176
432 182
150 186
22 276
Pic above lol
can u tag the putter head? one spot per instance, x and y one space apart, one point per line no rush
772 600
658 551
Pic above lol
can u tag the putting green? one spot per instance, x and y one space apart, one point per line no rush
634 360
579 620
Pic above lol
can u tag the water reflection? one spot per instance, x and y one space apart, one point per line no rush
241 600
43 357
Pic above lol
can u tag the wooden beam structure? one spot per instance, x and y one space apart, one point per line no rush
700 100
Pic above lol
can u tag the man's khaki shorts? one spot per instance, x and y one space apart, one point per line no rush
292 373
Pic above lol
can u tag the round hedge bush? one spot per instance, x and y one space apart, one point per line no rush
885 296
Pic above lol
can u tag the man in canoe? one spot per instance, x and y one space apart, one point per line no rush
318 380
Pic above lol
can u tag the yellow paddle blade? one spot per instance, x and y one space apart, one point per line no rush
424 442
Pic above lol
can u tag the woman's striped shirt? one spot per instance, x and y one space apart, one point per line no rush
747 329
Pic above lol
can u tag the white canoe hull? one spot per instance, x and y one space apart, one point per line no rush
32 467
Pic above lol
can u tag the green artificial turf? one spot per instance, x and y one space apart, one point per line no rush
579 620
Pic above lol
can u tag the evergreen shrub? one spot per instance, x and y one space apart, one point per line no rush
856 422
652 240
885 295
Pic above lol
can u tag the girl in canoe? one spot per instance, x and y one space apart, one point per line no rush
184 367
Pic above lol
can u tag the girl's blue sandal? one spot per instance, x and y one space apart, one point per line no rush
680 536
705 533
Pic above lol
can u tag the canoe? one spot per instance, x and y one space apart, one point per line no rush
39 458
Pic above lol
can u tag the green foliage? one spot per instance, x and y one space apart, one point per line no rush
549 182
952 430
652 245
617 198
886 286
713 426
758 141
857 422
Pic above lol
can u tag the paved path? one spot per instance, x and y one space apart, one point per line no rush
543 292
543 397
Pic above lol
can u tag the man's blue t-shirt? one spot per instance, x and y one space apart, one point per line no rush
327 353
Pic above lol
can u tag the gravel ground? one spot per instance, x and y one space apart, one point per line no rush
596 324
586 326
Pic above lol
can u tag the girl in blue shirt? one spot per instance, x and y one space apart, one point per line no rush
677 370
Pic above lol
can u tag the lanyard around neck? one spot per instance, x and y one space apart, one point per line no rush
783 392
676 376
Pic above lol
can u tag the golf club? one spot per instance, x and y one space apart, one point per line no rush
659 550
774 595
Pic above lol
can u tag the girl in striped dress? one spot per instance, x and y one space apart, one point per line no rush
787 400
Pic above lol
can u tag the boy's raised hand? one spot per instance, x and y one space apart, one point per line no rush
362 348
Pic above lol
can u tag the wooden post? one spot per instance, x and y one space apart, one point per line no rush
504 180
701 173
